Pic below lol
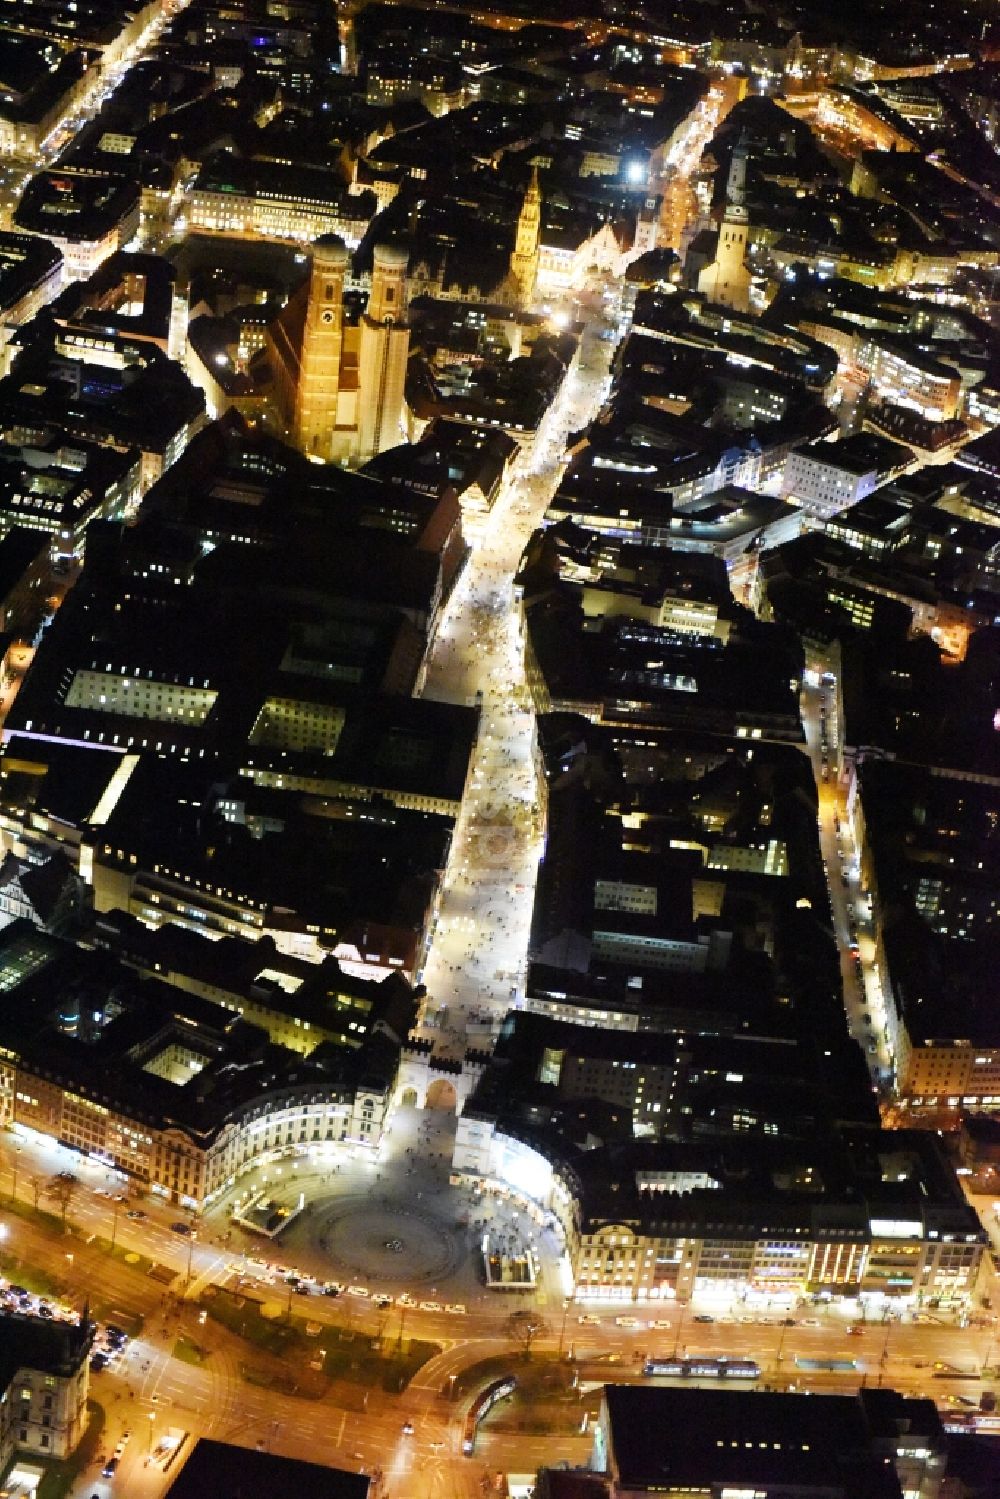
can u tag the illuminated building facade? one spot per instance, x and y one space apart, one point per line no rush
726 282
44 1384
176 1092
524 260
339 384
657 1222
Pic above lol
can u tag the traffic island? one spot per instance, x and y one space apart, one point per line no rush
189 1352
319 1351
32 1277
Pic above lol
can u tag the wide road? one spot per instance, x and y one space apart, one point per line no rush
149 1390
369 1433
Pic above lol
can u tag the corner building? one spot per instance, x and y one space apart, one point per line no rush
875 1215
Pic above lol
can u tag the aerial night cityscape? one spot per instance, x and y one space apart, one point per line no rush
499 749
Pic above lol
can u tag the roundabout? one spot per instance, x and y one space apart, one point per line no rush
382 1242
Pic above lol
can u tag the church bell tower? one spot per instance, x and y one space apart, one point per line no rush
524 260
315 412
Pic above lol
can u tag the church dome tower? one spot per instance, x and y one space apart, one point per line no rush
318 384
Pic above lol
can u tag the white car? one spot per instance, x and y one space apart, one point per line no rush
628 1322
589 1320
430 1306
457 1308
357 1290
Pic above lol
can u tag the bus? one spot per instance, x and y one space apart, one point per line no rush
500 1389
703 1368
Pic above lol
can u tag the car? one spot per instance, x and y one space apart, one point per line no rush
407 1428
627 1322
115 1334
357 1290
589 1320
788 1321
704 1317
381 1301
457 1308
136 1215
405 1300
98 1361
180 1228
331 1288
811 1322
430 1306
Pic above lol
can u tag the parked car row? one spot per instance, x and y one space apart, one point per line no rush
308 1285
18 1299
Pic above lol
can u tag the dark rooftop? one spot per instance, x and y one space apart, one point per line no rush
229 1472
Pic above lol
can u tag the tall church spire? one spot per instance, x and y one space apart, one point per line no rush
736 183
524 260
726 281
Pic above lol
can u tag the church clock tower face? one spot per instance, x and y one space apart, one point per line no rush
326 315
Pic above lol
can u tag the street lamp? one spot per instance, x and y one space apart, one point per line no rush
680 1325
567 1303
192 1240
778 1354
884 1355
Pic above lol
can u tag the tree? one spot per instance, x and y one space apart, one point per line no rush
62 1190
523 1328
